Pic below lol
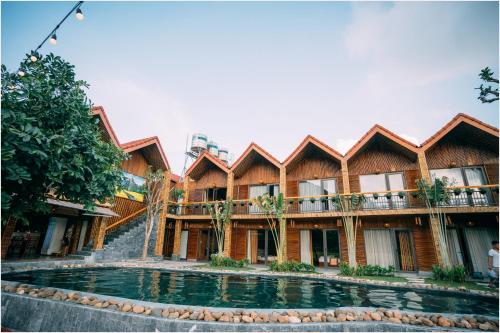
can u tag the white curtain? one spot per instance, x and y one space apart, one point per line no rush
475 177
479 243
454 250
310 188
379 247
184 244
329 187
374 183
255 191
305 246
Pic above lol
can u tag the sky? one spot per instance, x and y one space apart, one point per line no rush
269 72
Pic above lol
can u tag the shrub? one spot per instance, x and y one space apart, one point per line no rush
221 261
452 274
401 194
346 270
291 266
368 270
469 191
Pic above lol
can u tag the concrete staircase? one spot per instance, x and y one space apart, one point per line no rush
123 243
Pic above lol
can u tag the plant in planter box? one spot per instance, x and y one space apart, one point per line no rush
414 194
301 201
483 190
401 194
375 196
290 202
457 191
469 191
388 195
312 200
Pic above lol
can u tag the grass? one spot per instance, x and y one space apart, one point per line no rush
236 269
382 278
467 285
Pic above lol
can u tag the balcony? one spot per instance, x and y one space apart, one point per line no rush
468 196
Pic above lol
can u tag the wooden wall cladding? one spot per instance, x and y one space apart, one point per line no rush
492 173
241 192
315 167
460 154
378 159
192 247
260 172
124 207
293 244
136 165
212 177
239 243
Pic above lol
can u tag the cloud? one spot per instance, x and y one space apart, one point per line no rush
138 110
343 145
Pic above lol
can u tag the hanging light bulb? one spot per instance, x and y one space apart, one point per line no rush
53 39
33 58
79 15
20 73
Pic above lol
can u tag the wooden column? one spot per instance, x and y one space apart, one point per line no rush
434 226
160 232
9 229
177 240
101 223
228 232
185 187
345 177
424 169
76 236
283 229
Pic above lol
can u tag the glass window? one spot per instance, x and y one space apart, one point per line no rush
454 176
372 183
396 181
310 188
475 177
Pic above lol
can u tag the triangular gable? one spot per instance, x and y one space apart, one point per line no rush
206 156
253 147
147 144
455 122
377 129
99 112
317 143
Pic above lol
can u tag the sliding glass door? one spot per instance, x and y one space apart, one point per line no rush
390 247
316 188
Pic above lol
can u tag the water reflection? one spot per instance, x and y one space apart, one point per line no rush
240 291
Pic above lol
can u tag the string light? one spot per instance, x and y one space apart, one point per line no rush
33 57
53 39
20 73
79 15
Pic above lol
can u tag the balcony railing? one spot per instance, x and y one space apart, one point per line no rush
468 196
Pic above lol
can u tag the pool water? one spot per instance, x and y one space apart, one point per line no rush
233 291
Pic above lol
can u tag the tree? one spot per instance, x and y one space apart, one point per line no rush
487 94
435 196
51 144
153 190
275 208
348 205
220 212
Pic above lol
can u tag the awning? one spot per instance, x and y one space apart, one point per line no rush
99 211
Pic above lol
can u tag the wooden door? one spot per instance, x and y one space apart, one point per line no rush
406 260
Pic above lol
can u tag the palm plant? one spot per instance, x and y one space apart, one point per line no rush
220 213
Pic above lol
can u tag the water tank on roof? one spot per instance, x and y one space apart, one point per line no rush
199 142
223 154
213 148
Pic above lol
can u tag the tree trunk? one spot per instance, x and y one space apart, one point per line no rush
281 253
351 240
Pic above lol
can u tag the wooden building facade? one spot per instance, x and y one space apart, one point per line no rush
395 228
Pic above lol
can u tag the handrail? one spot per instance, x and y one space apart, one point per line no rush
184 204
125 219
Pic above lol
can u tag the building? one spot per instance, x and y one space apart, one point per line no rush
395 226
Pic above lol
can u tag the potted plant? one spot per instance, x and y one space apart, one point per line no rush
401 194
242 204
323 199
312 200
469 191
457 191
388 195
301 201
290 202
483 190
375 196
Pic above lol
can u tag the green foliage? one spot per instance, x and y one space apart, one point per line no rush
176 193
366 270
401 194
457 191
221 261
50 141
451 274
291 266
488 94
434 194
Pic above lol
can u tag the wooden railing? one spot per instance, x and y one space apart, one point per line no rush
485 195
124 220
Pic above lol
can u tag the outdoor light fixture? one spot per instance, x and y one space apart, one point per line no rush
53 39
79 15
33 57
20 73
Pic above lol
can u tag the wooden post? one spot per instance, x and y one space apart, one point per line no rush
100 233
345 177
283 229
434 228
160 232
76 236
424 169
228 232
9 229
177 240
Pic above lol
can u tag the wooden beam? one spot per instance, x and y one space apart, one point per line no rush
424 169
177 240
230 185
283 180
228 233
345 177
160 233
100 233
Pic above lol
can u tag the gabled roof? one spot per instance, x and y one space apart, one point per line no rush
459 119
311 140
200 164
175 178
254 148
151 148
380 130
105 124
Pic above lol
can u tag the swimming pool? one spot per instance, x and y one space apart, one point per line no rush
235 291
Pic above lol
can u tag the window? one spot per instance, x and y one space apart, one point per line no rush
259 190
470 176
316 188
382 183
215 194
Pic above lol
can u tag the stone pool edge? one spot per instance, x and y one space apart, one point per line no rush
193 269
18 306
